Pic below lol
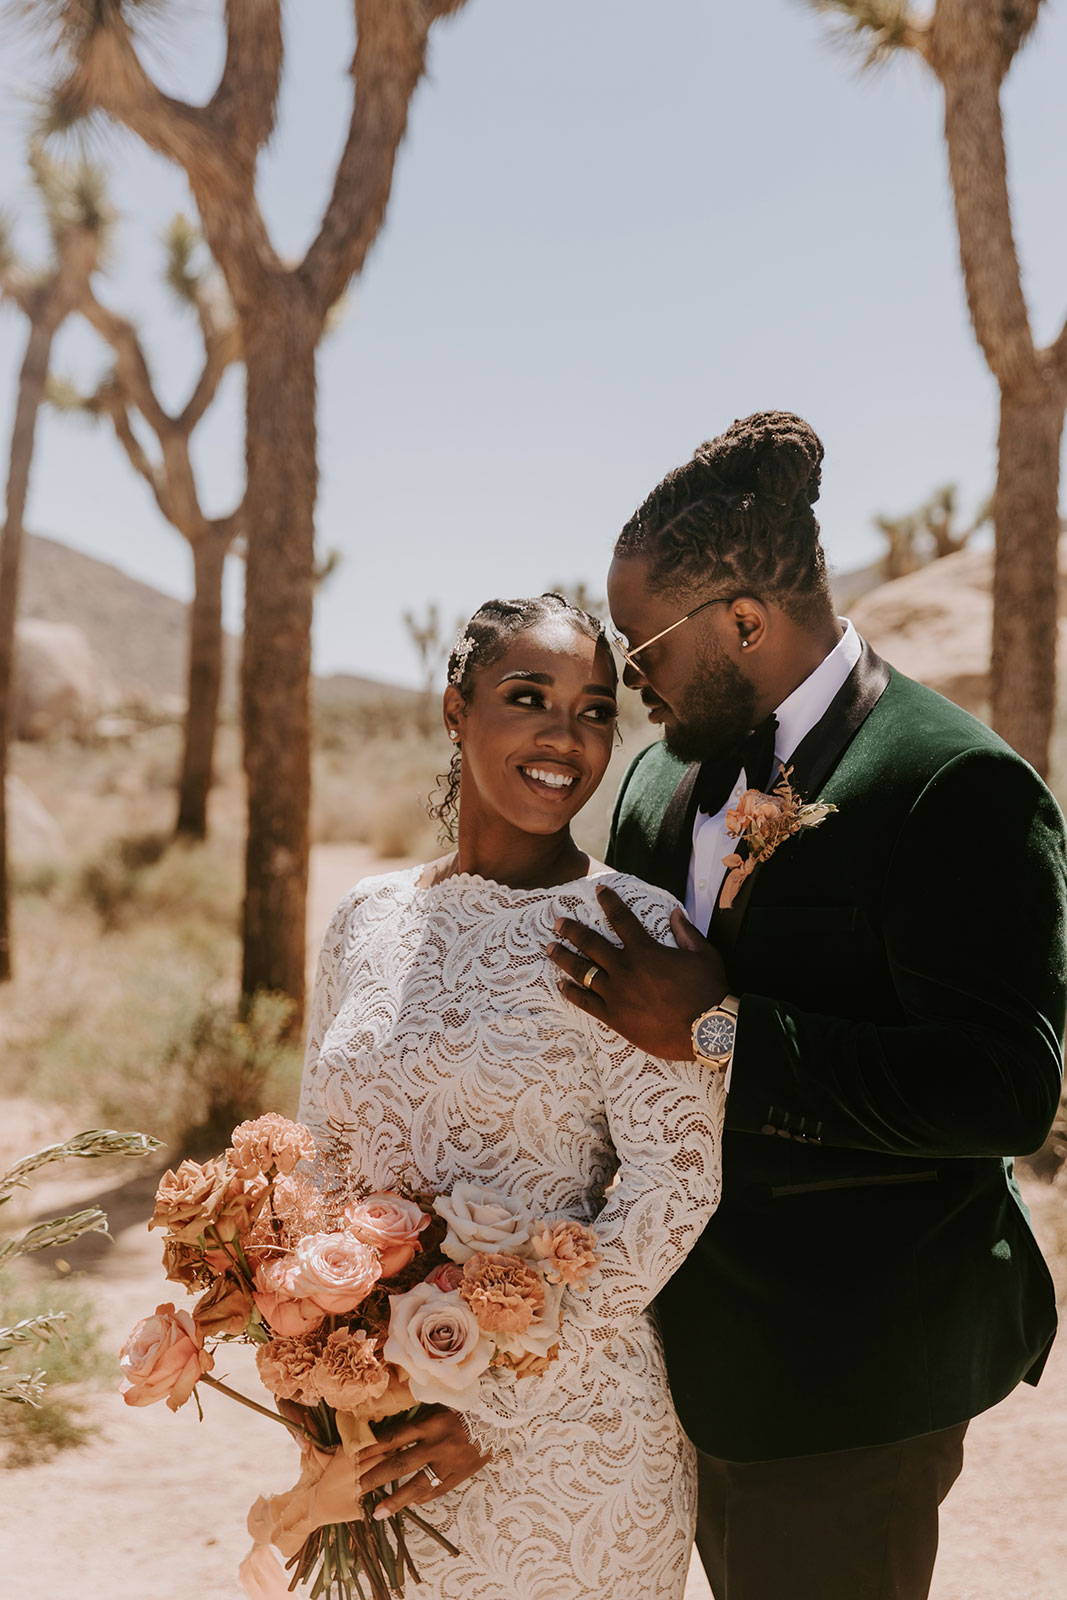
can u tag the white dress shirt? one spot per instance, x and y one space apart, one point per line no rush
797 715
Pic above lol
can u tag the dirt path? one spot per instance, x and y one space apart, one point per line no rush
154 1507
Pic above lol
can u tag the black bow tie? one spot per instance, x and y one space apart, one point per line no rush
716 779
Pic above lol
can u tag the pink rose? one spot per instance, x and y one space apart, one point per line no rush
436 1341
268 1145
391 1224
481 1219
448 1276
163 1359
335 1271
280 1305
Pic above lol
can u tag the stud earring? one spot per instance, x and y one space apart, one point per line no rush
453 735
744 644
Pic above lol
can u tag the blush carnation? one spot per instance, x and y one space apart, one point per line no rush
391 1224
567 1251
350 1372
335 1271
269 1144
504 1292
163 1359
288 1367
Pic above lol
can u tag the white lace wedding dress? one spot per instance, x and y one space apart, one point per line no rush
441 1050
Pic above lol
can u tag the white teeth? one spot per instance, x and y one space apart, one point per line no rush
554 780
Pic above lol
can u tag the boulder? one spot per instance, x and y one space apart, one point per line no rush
936 624
59 687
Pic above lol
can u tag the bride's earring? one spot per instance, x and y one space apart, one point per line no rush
453 735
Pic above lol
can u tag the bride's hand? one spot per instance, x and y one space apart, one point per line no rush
438 1440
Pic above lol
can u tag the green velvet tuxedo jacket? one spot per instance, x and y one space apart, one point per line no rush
871 1274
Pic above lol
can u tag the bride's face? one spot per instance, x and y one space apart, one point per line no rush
537 729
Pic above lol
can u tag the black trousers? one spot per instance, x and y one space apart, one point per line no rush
849 1525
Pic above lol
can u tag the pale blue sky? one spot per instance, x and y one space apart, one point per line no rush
615 226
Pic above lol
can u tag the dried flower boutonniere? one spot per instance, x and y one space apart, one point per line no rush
762 822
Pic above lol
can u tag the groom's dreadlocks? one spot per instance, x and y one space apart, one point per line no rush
739 513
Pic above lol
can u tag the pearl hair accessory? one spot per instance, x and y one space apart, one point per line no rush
461 652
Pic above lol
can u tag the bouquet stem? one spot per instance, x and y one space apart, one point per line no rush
253 1405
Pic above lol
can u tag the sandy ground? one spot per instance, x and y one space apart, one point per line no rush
153 1508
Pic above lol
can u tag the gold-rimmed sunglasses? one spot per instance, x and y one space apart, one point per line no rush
629 653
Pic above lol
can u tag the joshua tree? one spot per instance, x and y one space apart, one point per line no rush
928 533
969 46
128 388
78 220
281 308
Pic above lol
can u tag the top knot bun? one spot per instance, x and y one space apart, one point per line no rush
773 455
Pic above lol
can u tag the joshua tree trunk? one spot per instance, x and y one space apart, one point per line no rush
1026 569
276 667
204 685
32 380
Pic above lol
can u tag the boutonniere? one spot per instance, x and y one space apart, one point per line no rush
761 822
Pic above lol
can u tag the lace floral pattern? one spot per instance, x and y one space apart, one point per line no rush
439 1050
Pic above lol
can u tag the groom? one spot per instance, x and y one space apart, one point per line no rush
886 995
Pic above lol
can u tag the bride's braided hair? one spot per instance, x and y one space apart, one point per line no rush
740 513
484 640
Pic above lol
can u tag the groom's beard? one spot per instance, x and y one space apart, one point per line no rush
715 715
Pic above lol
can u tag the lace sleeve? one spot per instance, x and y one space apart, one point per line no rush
666 1120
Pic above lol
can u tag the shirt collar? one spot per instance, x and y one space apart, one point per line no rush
810 700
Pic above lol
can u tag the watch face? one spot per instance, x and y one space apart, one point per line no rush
714 1035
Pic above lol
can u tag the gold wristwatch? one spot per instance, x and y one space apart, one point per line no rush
714 1033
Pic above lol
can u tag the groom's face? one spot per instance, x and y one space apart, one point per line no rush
689 680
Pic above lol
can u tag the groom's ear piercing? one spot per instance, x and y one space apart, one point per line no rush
744 644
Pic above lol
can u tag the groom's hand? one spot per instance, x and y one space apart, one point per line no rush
645 991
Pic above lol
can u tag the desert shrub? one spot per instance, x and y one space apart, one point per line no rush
75 1358
110 880
152 874
232 1068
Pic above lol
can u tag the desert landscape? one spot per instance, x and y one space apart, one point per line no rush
119 1015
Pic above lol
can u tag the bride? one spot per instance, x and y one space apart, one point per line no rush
441 1051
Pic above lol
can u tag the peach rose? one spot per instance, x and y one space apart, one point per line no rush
436 1341
186 1200
268 1145
504 1292
567 1251
480 1219
288 1367
335 1271
392 1225
163 1359
280 1305
350 1371
225 1308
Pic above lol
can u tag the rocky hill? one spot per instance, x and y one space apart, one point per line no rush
137 633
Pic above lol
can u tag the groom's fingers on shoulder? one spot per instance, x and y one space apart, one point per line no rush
584 939
627 925
583 999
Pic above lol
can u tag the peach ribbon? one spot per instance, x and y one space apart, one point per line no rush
327 1491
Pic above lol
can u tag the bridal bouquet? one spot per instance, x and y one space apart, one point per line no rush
362 1305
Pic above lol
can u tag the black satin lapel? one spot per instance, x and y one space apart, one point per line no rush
815 758
819 752
674 845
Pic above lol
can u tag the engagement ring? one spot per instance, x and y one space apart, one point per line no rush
429 1473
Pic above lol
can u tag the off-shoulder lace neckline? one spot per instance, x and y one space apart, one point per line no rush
475 880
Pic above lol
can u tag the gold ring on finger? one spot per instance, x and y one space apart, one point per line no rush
592 974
